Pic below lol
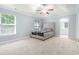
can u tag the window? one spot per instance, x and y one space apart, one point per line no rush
7 24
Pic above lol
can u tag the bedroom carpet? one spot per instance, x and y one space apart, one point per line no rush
31 46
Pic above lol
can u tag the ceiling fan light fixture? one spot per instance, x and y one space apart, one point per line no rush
44 4
50 9
45 9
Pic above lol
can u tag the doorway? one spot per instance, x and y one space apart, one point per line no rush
64 27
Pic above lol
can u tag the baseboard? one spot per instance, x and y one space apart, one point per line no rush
13 40
75 39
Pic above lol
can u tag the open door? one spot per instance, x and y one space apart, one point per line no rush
64 27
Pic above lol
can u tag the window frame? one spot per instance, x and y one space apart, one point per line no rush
14 25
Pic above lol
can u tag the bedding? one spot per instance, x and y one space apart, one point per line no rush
46 31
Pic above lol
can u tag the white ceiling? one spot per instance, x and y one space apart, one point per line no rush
59 9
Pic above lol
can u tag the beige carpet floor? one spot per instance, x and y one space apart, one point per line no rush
31 46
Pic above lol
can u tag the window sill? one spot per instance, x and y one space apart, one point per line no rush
7 34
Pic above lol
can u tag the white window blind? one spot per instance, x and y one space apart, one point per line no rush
7 24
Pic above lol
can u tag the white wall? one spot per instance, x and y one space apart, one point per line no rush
72 24
72 27
77 26
23 25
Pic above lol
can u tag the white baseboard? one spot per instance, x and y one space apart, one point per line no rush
13 40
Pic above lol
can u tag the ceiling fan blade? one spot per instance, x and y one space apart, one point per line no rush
38 10
47 12
44 4
50 9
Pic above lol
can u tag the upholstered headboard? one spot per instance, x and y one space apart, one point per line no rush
50 25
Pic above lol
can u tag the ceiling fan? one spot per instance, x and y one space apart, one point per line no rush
45 8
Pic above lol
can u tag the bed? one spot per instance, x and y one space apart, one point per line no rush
47 31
